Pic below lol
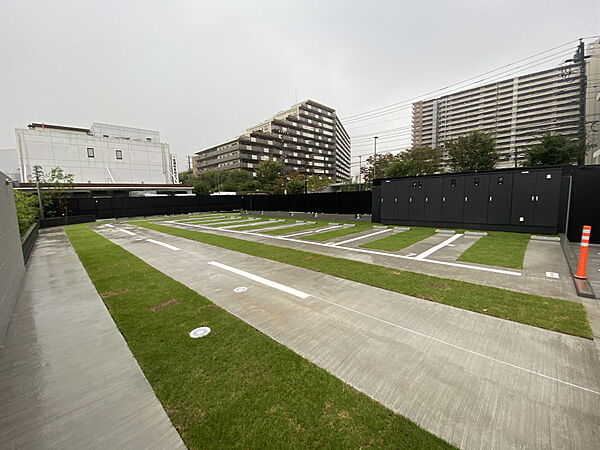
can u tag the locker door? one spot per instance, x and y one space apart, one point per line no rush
476 198
547 191
523 197
433 199
500 198
387 197
416 199
401 194
453 189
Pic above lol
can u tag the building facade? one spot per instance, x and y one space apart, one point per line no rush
516 111
101 154
307 138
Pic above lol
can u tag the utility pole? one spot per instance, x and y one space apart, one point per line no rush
579 59
37 174
375 156
359 172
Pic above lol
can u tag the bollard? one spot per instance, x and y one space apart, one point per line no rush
583 252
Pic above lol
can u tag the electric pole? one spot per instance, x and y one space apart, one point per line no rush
579 59
359 172
375 156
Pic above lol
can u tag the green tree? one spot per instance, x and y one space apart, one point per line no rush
201 188
378 162
473 152
187 177
553 149
399 168
27 210
415 161
295 185
56 188
268 175
316 183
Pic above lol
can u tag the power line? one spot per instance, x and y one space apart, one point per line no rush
463 81
488 80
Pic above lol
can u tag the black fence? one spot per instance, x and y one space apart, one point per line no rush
109 207
357 202
536 200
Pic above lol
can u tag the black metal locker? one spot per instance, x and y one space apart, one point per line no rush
476 198
499 200
416 199
453 189
375 204
523 198
433 199
547 191
387 197
401 196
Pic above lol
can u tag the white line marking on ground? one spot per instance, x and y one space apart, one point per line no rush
130 233
252 224
458 347
316 230
435 248
362 237
169 246
357 250
552 275
109 225
262 280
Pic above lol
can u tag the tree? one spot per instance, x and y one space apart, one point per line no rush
473 152
380 163
553 149
57 186
415 161
187 177
316 183
201 188
27 210
295 185
267 175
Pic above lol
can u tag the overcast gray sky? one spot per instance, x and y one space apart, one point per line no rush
201 72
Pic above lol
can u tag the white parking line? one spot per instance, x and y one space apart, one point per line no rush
304 295
363 237
169 246
127 232
357 250
109 225
435 248
315 230
262 280
251 224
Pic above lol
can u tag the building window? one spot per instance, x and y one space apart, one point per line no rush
119 154
90 152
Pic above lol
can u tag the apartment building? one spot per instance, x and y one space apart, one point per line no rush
516 111
307 138
103 153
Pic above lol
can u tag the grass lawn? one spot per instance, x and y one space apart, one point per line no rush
235 387
296 229
265 224
400 240
498 249
544 312
338 232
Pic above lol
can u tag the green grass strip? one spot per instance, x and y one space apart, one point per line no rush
400 240
299 228
498 249
543 312
236 387
265 224
339 232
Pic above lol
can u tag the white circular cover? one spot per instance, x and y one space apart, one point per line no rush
199 332
240 289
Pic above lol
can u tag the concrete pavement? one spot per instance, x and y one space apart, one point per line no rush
474 380
67 377
474 273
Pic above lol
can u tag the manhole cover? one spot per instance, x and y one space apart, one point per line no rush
240 289
199 332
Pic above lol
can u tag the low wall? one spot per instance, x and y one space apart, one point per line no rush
12 267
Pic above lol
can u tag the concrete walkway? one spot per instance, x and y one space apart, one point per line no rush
67 377
476 381
474 273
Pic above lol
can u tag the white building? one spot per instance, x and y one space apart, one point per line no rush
102 154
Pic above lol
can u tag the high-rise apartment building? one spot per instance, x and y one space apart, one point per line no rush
307 138
516 111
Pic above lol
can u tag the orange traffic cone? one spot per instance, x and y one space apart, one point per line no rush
583 252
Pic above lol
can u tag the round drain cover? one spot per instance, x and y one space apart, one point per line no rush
240 289
199 332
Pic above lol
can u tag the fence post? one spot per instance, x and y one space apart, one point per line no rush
583 252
